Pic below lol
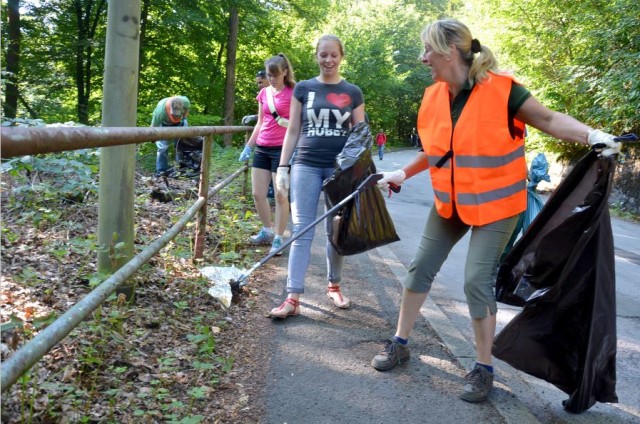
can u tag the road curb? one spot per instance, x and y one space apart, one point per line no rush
508 406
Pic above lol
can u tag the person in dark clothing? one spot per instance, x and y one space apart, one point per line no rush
323 109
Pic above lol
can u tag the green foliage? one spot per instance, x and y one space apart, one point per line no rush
183 52
50 69
382 47
561 50
579 58
50 179
70 177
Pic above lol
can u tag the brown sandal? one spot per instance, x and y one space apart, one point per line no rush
289 308
334 293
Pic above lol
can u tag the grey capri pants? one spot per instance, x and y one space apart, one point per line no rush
485 248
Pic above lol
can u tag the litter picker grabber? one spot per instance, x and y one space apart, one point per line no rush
224 292
621 138
369 182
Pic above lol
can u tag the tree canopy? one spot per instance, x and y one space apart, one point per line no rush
581 58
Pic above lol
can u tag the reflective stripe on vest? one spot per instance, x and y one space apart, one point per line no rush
435 159
490 196
486 174
443 196
488 161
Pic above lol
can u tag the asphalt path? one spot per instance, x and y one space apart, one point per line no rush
409 210
320 371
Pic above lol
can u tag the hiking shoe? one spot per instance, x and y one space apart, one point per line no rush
263 237
166 173
478 384
277 244
391 355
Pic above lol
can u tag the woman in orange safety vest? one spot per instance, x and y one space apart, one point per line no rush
471 125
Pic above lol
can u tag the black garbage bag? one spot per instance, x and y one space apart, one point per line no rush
562 271
189 152
364 223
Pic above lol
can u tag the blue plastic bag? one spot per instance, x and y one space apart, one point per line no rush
538 172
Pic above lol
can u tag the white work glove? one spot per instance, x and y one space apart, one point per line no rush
396 177
609 145
282 178
246 154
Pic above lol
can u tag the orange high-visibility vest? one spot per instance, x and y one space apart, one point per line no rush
478 167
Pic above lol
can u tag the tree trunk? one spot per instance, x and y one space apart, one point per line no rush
13 59
144 15
213 76
81 43
230 80
86 33
117 164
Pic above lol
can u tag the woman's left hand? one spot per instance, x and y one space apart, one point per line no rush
601 139
246 154
282 178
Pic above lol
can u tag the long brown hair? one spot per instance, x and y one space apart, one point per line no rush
277 65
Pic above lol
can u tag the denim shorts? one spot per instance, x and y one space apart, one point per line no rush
267 158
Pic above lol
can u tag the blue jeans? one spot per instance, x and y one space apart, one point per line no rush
381 151
162 158
306 185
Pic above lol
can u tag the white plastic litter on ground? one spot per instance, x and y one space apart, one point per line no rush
220 277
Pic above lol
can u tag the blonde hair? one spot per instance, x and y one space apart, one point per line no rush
277 65
330 37
444 32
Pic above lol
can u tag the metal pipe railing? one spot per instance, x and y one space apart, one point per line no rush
18 141
36 348
25 141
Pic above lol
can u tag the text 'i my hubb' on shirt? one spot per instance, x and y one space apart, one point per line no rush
326 119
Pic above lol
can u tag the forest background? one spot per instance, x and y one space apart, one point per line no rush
581 58
176 355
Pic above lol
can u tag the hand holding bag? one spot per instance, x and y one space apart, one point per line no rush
363 223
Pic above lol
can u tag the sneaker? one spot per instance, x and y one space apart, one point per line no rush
391 355
277 244
263 237
478 384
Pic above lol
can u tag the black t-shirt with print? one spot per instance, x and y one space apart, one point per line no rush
327 111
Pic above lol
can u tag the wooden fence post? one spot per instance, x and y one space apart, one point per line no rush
203 190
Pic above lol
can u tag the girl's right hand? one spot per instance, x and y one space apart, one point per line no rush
246 154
